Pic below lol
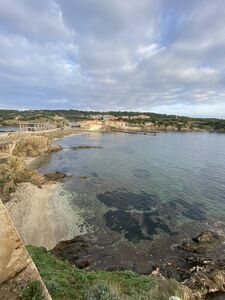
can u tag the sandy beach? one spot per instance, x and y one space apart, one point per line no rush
43 216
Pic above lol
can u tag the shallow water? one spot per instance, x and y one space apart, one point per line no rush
144 187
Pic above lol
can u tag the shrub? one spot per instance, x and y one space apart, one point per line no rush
100 291
32 291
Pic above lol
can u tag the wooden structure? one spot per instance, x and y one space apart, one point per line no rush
30 126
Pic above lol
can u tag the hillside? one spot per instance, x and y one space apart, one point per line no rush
162 121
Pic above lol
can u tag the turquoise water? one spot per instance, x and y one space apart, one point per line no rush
143 187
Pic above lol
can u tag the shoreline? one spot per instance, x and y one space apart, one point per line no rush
43 215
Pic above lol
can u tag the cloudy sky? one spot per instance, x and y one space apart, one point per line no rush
144 55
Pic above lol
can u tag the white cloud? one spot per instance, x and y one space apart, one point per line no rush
149 50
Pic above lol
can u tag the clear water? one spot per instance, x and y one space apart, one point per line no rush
143 187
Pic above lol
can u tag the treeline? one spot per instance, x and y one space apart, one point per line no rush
211 124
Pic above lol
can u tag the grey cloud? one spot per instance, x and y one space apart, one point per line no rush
96 54
38 20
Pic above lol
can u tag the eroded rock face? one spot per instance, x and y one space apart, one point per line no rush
16 266
31 145
21 173
34 145
14 171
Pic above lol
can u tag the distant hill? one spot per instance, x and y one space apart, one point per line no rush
139 118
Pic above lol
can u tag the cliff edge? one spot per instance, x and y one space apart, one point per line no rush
18 273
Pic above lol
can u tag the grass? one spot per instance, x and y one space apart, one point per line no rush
32 291
67 282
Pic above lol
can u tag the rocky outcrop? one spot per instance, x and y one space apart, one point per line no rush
77 251
54 148
200 269
17 269
13 170
34 145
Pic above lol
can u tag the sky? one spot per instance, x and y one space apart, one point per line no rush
165 56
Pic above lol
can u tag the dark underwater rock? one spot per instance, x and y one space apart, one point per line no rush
76 250
54 176
75 148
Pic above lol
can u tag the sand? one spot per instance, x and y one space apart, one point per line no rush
43 216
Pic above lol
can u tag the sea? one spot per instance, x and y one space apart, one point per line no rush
140 195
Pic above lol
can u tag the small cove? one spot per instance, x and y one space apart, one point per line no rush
139 193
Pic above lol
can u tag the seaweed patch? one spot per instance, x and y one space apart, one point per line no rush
125 200
135 227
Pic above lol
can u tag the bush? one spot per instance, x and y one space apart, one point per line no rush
100 291
51 285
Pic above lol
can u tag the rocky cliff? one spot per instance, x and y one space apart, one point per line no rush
13 155
18 273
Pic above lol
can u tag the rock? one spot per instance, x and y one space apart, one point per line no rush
82 264
206 237
55 176
55 148
170 270
16 171
174 298
156 273
205 275
32 146
84 177
77 251
201 243
197 248
33 153
16 266
207 282
84 147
